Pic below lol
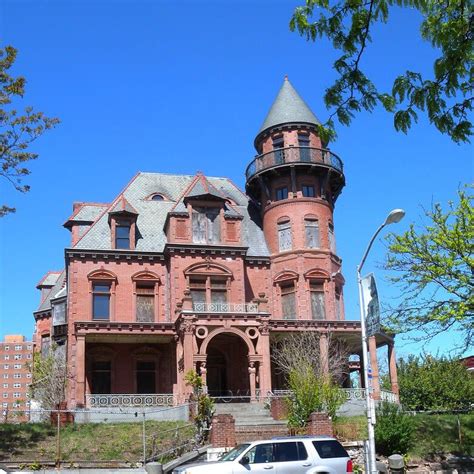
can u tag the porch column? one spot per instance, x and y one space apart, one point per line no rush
80 370
264 367
252 375
324 353
392 367
188 352
374 366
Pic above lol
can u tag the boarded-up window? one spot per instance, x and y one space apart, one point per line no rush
180 229
45 344
284 236
288 301
198 290
332 240
318 309
145 302
101 377
231 231
206 226
311 227
218 290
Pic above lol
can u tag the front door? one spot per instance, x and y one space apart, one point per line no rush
216 374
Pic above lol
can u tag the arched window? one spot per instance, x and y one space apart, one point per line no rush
102 289
286 283
157 197
145 285
318 304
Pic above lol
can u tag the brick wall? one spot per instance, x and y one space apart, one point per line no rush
279 409
223 431
320 424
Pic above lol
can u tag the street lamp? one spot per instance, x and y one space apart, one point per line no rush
393 217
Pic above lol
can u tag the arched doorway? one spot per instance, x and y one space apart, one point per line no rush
227 368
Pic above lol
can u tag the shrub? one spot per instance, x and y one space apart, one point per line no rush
393 431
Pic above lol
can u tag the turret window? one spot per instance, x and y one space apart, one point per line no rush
318 307
206 225
284 236
278 145
281 193
308 191
311 227
288 300
332 240
338 304
303 141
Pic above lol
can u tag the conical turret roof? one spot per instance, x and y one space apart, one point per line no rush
288 107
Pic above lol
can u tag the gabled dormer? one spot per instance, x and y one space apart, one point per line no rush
123 225
204 216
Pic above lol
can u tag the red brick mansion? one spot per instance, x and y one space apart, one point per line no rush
184 272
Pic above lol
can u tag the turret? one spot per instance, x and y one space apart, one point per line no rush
296 180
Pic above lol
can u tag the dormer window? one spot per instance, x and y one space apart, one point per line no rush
157 197
122 235
206 225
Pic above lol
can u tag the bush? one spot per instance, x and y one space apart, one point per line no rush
393 431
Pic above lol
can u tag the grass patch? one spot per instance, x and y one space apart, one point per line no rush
89 441
350 428
440 434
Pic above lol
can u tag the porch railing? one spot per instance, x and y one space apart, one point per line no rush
388 396
129 400
225 307
351 394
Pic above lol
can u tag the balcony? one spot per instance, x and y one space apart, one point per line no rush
294 155
225 307
125 400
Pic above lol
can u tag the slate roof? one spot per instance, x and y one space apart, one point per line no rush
288 107
152 215
49 279
55 292
88 212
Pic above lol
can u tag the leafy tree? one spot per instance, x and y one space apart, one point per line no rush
312 379
434 267
394 430
17 129
431 383
446 96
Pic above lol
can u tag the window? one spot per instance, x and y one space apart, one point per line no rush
5 376
101 377
100 301
7 348
17 376
5 385
28 356
18 348
6 357
59 313
332 240
5 404
29 347
122 235
45 343
290 451
16 385
305 152
330 449
16 405
208 290
281 193
260 454
5 395
338 304
206 225
284 236
6 366
28 376
145 302
17 366
17 357
145 377
288 300
311 228
279 153
308 191
318 309
157 197
16 395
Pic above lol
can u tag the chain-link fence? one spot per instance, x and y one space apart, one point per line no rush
102 437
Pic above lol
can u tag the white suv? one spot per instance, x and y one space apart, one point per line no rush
288 455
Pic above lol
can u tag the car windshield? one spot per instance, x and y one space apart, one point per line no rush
237 451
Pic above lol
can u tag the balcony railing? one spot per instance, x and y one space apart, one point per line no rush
129 400
225 307
295 154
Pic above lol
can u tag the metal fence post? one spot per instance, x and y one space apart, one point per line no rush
144 439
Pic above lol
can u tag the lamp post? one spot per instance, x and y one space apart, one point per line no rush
394 216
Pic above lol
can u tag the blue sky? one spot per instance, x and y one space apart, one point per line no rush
184 86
